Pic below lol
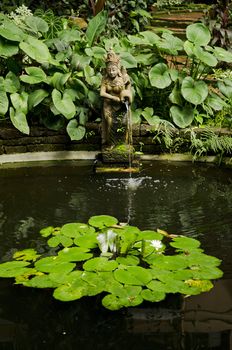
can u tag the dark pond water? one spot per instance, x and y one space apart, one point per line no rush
180 198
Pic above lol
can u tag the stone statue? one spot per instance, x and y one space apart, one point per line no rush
116 91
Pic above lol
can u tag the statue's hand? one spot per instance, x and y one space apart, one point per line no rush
125 96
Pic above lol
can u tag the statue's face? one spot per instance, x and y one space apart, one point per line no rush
112 70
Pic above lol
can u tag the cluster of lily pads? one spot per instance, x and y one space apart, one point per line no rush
122 263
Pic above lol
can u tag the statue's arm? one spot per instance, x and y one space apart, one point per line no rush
126 93
105 94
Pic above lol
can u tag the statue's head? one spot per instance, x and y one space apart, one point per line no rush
113 66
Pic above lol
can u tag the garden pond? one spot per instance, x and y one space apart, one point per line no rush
181 198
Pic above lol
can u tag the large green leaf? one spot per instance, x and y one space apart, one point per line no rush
11 83
37 24
215 102
75 254
101 221
8 48
95 27
10 31
76 229
100 264
129 296
225 87
222 54
198 33
36 97
127 60
207 58
59 79
35 75
75 131
36 49
185 243
54 264
64 104
159 76
134 275
70 292
170 44
182 116
194 91
19 101
152 295
19 120
13 268
60 239
4 103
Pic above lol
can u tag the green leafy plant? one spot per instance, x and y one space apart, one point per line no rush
122 263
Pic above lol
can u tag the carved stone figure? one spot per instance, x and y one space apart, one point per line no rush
116 91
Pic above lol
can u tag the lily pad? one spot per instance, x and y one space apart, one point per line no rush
54 264
150 235
130 260
26 255
76 229
100 264
13 268
60 239
42 281
70 292
185 243
74 254
101 221
133 275
87 241
153 296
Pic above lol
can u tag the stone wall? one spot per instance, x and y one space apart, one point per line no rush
44 140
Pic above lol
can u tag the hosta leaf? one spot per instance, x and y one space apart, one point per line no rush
64 104
222 54
8 48
182 116
19 120
100 264
225 87
75 131
37 24
36 50
198 33
205 57
134 275
10 31
19 101
95 26
127 60
36 97
159 76
194 91
59 79
101 221
4 103
11 83
35 75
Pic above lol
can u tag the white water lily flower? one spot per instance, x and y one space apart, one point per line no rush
111 236
103 244
156 244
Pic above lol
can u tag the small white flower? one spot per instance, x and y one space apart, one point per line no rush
156 244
